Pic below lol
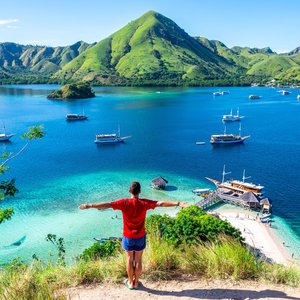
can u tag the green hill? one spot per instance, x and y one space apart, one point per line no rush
150 49
41 61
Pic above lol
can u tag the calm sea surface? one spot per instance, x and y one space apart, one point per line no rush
66 168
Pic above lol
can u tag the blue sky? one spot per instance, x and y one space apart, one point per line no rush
252 23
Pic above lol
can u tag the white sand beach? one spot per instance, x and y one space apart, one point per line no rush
258 235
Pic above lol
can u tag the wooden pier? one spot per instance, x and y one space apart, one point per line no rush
247 200
209 200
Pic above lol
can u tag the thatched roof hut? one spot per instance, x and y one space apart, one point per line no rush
265 204
250 199
159 183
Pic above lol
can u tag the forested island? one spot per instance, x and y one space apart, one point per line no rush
150 51
78 90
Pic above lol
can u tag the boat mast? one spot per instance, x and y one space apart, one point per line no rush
224 173
224 129
238 112
244 177
240 129
4 129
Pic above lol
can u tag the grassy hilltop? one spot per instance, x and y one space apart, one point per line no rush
151 48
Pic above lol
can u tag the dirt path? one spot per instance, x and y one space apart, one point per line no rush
184 290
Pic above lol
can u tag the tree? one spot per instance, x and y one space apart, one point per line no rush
7 186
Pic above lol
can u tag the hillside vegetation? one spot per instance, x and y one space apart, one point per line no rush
192 244
79 90
151 50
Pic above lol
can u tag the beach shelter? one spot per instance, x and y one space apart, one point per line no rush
159 183
265 204
250 199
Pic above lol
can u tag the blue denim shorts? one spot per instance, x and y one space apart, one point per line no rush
134 244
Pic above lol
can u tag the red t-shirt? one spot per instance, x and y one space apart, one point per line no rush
134 214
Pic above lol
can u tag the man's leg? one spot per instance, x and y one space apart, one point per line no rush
137 267
130 266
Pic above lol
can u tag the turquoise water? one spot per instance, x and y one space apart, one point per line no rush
65 168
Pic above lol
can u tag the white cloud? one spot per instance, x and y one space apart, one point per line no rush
8 22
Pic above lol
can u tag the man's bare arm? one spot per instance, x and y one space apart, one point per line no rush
103 205
171 203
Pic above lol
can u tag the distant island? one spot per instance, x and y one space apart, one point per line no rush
79 90
150 51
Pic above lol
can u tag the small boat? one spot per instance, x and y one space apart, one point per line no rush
298 97
284 92
219 93
200 143
254 97
110 138
231 117
202 192
265 220
4 136
76 117
264 216
228 138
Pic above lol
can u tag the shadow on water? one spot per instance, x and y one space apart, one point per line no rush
17 243
101 146
170 188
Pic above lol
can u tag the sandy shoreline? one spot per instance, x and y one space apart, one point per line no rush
258 235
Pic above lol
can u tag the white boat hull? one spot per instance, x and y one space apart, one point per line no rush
229 142
5 137
111 141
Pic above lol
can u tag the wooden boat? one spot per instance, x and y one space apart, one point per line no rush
110 138
252 97
202 192
220 93
284 92
4 136
228 138
237 185
76 117
231 117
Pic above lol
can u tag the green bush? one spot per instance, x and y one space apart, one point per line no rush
191 226
103 250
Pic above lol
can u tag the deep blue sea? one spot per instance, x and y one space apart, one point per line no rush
66 168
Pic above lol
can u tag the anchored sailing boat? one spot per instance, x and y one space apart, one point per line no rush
231 117
228 138
237 185
76 117
110 138
4 136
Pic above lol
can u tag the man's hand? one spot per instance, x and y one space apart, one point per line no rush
83 206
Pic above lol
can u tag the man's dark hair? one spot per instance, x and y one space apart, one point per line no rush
135 188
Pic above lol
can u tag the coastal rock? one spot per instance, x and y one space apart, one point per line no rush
79 90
